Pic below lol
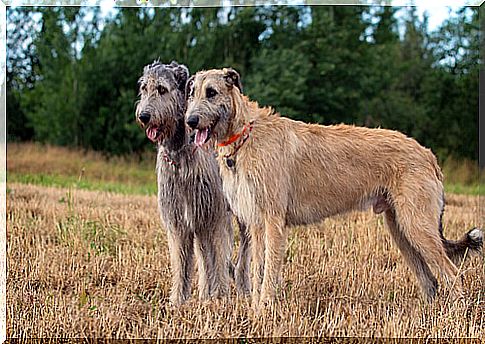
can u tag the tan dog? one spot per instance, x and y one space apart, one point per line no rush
278 172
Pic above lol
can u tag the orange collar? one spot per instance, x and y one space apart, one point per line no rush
235 137
244 134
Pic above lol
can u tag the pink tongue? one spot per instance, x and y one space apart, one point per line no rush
201 136
152 133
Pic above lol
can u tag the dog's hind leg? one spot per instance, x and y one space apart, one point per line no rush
243 261
416 262
418 217
181 247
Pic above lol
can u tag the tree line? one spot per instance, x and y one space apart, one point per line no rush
72 72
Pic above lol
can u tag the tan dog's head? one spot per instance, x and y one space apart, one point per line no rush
210 103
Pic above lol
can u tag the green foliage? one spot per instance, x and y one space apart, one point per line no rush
74 82
21 61
280 84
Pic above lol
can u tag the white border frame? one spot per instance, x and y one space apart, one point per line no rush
3 172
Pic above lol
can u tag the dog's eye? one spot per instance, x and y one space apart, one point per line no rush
210 92
161 90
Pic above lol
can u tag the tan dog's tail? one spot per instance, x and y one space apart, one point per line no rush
472 242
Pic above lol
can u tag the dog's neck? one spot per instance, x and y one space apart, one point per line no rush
243 114
179 138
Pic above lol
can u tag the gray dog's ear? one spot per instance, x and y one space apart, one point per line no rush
232 78
189 87
181 73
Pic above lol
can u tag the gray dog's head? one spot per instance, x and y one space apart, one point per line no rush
213 97
162 99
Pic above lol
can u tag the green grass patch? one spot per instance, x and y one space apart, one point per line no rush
128 188
148 187
28 163
473 190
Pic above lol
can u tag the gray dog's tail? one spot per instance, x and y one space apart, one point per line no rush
472 242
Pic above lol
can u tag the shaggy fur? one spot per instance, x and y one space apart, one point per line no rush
282 172
192 206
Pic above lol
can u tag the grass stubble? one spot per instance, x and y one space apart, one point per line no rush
95 264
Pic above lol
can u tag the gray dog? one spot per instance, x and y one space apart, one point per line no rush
192 206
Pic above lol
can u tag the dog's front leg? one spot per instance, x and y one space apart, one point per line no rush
257 261
213 249
181 247
275 242
243 261
206 258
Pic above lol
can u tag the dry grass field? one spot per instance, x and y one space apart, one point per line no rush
95 264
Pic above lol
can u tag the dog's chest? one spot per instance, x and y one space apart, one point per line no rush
238 188
188 195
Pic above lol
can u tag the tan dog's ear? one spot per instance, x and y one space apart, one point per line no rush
189 87
232 78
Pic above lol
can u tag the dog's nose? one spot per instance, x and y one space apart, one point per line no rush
192 121
144 117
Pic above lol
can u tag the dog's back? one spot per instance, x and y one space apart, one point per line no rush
326 170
